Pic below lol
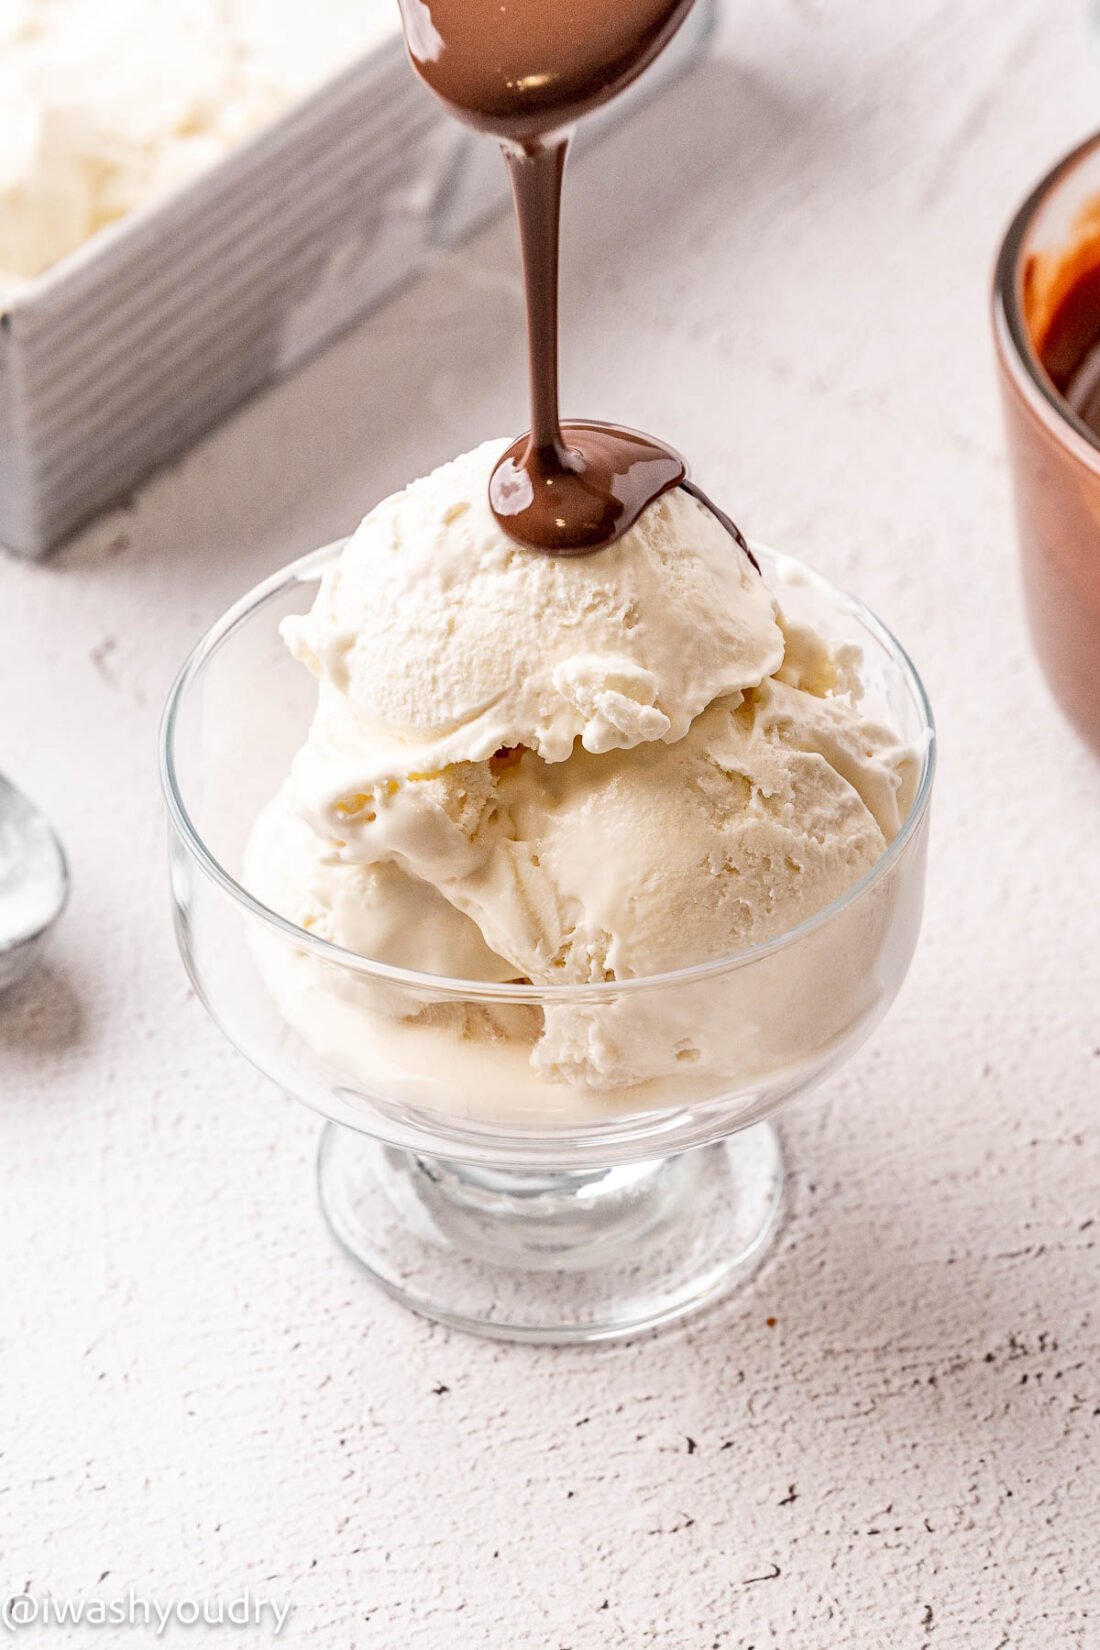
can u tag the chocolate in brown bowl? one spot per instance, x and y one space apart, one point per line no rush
1046 305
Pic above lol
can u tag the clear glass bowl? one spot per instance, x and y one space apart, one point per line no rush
471 1187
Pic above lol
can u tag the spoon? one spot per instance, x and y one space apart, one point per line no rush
34 881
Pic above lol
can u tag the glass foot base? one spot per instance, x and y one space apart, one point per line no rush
577 1255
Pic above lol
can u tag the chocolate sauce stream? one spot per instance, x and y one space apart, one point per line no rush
571 490
526 70
536 177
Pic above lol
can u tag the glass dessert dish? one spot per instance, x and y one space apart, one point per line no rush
469 1185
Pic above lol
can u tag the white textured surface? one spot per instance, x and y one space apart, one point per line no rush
200 1392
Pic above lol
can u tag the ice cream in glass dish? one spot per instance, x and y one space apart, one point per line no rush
545 834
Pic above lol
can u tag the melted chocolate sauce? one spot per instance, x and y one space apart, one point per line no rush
526 70
1070 350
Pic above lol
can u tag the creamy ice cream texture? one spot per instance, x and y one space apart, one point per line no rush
104 104
565 770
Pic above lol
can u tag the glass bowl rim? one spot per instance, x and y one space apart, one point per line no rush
1010 330
308 567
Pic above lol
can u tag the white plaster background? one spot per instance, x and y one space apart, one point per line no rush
783 269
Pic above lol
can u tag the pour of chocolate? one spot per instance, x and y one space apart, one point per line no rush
526 70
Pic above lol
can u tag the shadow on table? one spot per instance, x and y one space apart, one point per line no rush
41 1016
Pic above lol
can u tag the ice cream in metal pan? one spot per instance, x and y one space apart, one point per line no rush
107 104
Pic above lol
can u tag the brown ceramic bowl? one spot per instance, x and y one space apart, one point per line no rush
1055 456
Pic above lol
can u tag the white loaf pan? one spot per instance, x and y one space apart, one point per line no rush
128 350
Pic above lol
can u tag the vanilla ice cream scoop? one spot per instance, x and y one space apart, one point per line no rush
376 910
636 863
438 640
